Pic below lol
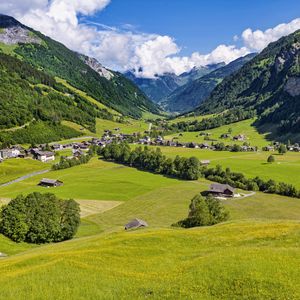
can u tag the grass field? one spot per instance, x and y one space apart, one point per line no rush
13 168
239 260
253 256
243 127
286 167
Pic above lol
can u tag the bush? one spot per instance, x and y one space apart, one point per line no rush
271 159
204 212
39 218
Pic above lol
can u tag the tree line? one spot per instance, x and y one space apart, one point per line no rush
66 163
190 169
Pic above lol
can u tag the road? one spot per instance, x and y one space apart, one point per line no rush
24 177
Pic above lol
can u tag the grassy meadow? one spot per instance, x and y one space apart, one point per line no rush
235 260
286 168
13 168
254 255
253 137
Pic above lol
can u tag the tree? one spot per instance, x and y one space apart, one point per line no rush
204 212
282 149
39 218
271 159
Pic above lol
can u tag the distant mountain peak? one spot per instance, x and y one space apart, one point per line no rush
96 66
13 32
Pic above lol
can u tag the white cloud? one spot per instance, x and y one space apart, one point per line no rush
258 39
125 48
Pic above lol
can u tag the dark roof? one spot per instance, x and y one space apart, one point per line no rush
44 153
220 188
135 223
49 181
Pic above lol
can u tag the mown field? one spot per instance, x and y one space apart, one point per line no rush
253 137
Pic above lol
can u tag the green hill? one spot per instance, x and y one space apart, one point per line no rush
269 85
83 73
240 260
189 96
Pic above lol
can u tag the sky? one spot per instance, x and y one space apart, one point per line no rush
158 36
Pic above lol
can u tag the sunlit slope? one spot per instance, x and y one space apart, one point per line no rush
245 260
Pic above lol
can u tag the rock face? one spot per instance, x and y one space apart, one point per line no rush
12 32
96 66
292 86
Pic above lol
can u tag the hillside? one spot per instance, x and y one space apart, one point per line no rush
108 87
161 86
268 84
230 261
190 95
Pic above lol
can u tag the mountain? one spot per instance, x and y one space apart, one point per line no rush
161 86
108 87
269 85
190 95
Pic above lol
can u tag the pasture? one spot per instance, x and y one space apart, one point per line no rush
13 168
253 137
167 263
286 168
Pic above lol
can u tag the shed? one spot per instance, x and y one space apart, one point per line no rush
224 190
50 182
135 223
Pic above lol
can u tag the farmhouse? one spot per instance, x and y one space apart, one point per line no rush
135 223
239 137
204 162
221 190
9 153
50 182
44 156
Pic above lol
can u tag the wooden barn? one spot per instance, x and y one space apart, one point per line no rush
50 182
221 190
136 223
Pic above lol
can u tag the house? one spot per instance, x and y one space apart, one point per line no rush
9 153
44 156
204 162
221 190
239 137
57 147
50 182
225 136
269 148
135 223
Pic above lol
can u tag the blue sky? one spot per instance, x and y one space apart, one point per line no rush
198 25
159 36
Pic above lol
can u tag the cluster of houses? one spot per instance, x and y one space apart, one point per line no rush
293 148
238 138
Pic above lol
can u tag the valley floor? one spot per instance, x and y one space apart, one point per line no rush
252 256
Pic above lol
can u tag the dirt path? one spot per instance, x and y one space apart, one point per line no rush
24 177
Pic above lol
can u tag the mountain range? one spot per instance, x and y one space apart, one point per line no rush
108 87
161 86
189 96
269 85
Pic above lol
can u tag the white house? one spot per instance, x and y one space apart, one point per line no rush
45 156
9 153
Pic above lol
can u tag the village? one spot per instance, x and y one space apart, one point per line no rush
47 153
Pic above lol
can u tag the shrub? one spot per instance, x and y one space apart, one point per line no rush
271 159
39 218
